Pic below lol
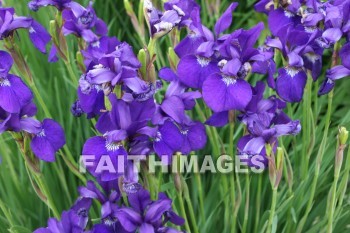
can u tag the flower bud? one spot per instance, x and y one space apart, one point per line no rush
343 135
142 56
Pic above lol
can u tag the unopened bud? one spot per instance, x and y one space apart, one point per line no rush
343 135
279 158
142 57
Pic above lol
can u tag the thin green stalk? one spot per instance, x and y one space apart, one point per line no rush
258 204
7 213
200 195
246 211
273 209
183 211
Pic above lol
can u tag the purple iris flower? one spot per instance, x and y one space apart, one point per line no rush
19 121
337 72
34 5
187 7
176 131
9 23
162 23
69 223
194 68
119 66
296 46
91 97
146 215
82 22
265 122
98 49
14 94
47 140
108 197
110 144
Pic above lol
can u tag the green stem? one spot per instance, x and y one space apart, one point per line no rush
273 209
200 194
246 212
258 204
6 213
183 211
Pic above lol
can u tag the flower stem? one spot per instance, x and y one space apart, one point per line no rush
273 209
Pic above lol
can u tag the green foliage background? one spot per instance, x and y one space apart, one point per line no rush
23 211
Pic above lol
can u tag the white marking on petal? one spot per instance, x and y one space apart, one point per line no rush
31 30
291 71
4 82
313 57
203 61
113 146
288 14
184 132
41 133
228 80
158 137
310 29
96 44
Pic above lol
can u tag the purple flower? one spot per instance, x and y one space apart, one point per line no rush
146 215
265 122
34 5
162 23
47 140
69 223
96 50
82 22
14 94
110 144
9 23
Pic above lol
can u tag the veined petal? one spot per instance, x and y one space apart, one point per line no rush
290 84
192 70
226 93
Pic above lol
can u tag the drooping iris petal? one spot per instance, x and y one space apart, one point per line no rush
167 139
345 55
218 119
278 19
39 36
98 147
193 70
290 84
194 137
14 94
226 93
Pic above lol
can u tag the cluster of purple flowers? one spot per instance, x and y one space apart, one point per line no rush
142 215
17 112
302 31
